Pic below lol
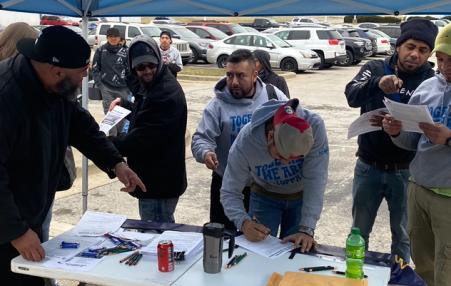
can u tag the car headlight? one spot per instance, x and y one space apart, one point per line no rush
358 43
305 54
203 45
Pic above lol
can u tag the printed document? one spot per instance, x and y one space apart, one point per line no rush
271 247
190 242
97 224
409 115
112 118
363 125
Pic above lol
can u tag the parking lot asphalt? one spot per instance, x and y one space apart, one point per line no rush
321 91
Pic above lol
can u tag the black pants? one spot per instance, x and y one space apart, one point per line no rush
9 278
216 210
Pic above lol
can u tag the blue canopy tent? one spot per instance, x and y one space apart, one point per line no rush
91 8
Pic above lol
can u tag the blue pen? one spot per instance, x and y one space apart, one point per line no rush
65 244
90 254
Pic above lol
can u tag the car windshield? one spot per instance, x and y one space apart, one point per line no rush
184 32
237 29
217 33
151 31
380 33
278 41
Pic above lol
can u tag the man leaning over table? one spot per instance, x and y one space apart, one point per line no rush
284 153
38 120
429 189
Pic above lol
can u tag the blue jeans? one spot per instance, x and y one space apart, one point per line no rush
275 212
158 210
370 186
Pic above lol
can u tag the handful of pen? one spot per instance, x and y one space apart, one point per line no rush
235 260
132 259
121 245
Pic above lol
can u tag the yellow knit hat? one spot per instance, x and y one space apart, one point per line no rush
443 41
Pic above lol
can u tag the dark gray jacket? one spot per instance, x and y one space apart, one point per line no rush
110 65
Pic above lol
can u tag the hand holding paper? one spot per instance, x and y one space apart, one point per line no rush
409 115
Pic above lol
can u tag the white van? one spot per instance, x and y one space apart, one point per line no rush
132 30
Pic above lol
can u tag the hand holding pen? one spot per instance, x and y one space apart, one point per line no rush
254 231
390 83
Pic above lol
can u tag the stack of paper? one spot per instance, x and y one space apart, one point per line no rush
97 224
190 242
409 115
271 247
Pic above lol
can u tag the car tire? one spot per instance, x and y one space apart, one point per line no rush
221 61
322 64
349 59
289 64
195 57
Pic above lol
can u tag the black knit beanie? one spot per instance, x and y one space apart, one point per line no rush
418 29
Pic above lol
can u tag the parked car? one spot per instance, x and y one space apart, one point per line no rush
198 45
382 42
363 33
261 24
283 55
52 20
206 32
383 38
368 25
298 21
227 28
163 20
326 42
394 31
129 31
356 48
251 30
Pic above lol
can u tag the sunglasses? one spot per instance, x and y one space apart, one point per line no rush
142 67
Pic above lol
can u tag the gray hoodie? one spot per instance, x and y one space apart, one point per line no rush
249 160
223 118
431 166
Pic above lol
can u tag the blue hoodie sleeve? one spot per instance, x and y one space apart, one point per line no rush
314 175
236 176
209 128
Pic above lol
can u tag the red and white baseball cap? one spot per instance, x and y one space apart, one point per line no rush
293 135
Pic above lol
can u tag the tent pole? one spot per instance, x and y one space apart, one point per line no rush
84 88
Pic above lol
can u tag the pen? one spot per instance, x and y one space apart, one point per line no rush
254 219
231 261
317 268
128 257
65 244
343 273
239 258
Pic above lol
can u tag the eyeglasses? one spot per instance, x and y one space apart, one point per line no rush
142 67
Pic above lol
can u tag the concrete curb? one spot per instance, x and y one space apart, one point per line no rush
189 77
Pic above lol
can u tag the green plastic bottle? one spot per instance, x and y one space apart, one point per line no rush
355 254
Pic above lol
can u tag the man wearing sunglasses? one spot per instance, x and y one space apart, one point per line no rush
155 143
284 153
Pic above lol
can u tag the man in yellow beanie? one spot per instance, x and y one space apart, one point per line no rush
429 202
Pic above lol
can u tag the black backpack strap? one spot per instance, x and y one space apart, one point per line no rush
271 92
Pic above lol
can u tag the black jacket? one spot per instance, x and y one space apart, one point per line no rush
36 129
278 82
155 143
110 65
363 91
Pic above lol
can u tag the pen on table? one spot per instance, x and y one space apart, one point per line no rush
132 260
239 258
343 273
136 260
317 268
128 257
231 261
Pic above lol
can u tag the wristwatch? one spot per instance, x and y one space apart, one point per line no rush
307 230
448 142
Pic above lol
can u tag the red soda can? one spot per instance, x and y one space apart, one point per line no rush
165 251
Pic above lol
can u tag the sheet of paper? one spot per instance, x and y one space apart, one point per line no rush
75 263
134 235
97 224
271 247
190 242
112 118
409 115
362 124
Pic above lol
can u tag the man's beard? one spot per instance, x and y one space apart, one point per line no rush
66 89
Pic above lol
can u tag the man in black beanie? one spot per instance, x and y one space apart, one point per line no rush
38 121
382 168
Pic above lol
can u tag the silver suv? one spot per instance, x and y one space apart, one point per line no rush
132 30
